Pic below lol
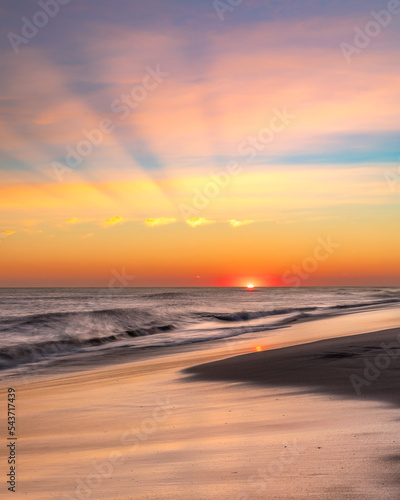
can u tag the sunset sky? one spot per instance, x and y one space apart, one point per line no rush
225 146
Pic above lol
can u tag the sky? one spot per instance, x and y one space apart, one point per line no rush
199 143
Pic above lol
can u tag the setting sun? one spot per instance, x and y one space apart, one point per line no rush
250 286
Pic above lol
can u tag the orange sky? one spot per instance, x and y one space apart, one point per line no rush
246 143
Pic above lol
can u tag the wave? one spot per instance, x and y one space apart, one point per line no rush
249 315
117 316
365 304
62 332
37 337
42 349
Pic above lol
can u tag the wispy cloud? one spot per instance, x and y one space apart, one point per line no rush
161 221
237 223
69 222
8 233
198 221
112 221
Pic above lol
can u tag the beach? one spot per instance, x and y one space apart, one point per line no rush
199 247
219 423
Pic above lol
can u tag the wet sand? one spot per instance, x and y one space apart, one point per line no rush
360 367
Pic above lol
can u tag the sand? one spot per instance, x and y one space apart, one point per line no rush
278 424
360 367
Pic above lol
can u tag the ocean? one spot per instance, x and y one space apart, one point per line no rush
43 325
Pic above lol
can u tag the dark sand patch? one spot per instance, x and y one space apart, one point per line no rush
363 366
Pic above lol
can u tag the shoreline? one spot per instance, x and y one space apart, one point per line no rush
78 362
321 327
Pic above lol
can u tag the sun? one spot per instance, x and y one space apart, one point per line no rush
249 286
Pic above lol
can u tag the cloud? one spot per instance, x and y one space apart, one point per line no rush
69 222
161 221
8 233
89 235
33 231
77 220
114 220
198 221
237 223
